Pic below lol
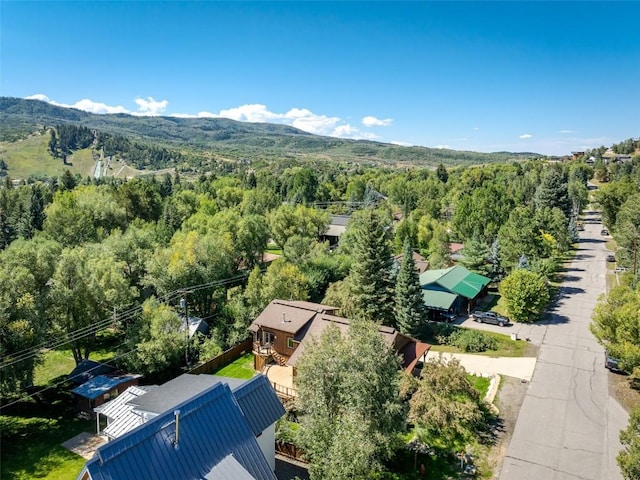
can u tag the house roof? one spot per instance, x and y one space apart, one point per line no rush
172 393
101 384
256 398
456 279
259 403
437 299
228 468
196 324
288 316
209 428
113 408
401 343
88 369
422 264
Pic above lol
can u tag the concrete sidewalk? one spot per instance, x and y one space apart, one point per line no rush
518 367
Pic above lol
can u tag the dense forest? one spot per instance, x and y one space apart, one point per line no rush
154 236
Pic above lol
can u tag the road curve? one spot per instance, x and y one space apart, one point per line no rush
568 424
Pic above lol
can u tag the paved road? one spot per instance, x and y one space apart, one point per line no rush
568 424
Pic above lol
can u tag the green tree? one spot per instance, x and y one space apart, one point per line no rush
616 325
526 295
158 339
25 270
627 231
344 383
439 250
410 309
87 284
192 259
287 221
370 276
553 191
442 173
629 456
444 405
475 256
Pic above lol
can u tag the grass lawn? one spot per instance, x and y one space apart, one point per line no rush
57 363
481 384
506 346
240 368
31 438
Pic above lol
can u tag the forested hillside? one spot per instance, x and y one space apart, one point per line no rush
201 140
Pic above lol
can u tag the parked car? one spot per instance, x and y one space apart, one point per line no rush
445 317
611 258
620 270
604 231
490 317
612 363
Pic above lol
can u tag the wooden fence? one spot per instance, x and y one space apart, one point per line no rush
289 450
224 358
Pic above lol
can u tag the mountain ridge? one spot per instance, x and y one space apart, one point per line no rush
232 139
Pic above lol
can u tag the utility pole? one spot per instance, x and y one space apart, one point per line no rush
185 308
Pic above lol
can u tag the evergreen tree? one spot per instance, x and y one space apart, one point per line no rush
523 263
553 191
370 275
496 272
573 230
475 256
442 173
409 304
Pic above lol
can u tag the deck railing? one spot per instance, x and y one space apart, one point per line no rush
284 391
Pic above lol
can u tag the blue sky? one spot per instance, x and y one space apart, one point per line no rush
548 77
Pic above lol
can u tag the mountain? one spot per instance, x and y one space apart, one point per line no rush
229 139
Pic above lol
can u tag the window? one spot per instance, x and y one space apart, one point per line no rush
290 343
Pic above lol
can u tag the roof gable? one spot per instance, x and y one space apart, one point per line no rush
259 403
455 279
210 428
288 317
88 369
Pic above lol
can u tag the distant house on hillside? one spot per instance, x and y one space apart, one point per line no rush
453 289
210 430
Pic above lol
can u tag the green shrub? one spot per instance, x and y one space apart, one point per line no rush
473 341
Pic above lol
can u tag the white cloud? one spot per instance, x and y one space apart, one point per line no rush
84 104
447 147
566 131
301 118
97 107
370 121
249 113
526 135
401 144
38 96
149 107
476 128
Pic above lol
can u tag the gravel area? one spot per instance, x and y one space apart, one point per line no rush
508 401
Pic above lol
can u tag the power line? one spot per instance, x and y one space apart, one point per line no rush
96 327
61 382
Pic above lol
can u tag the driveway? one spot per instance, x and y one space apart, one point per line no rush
518 367
568 424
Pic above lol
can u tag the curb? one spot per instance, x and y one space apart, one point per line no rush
492 392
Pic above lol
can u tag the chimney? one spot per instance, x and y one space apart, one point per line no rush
176 414
284 317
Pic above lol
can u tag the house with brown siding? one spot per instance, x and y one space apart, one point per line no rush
285 328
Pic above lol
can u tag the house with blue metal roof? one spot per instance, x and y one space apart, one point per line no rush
258 403
207 436
100 389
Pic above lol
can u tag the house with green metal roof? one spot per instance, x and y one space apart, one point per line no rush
452 289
